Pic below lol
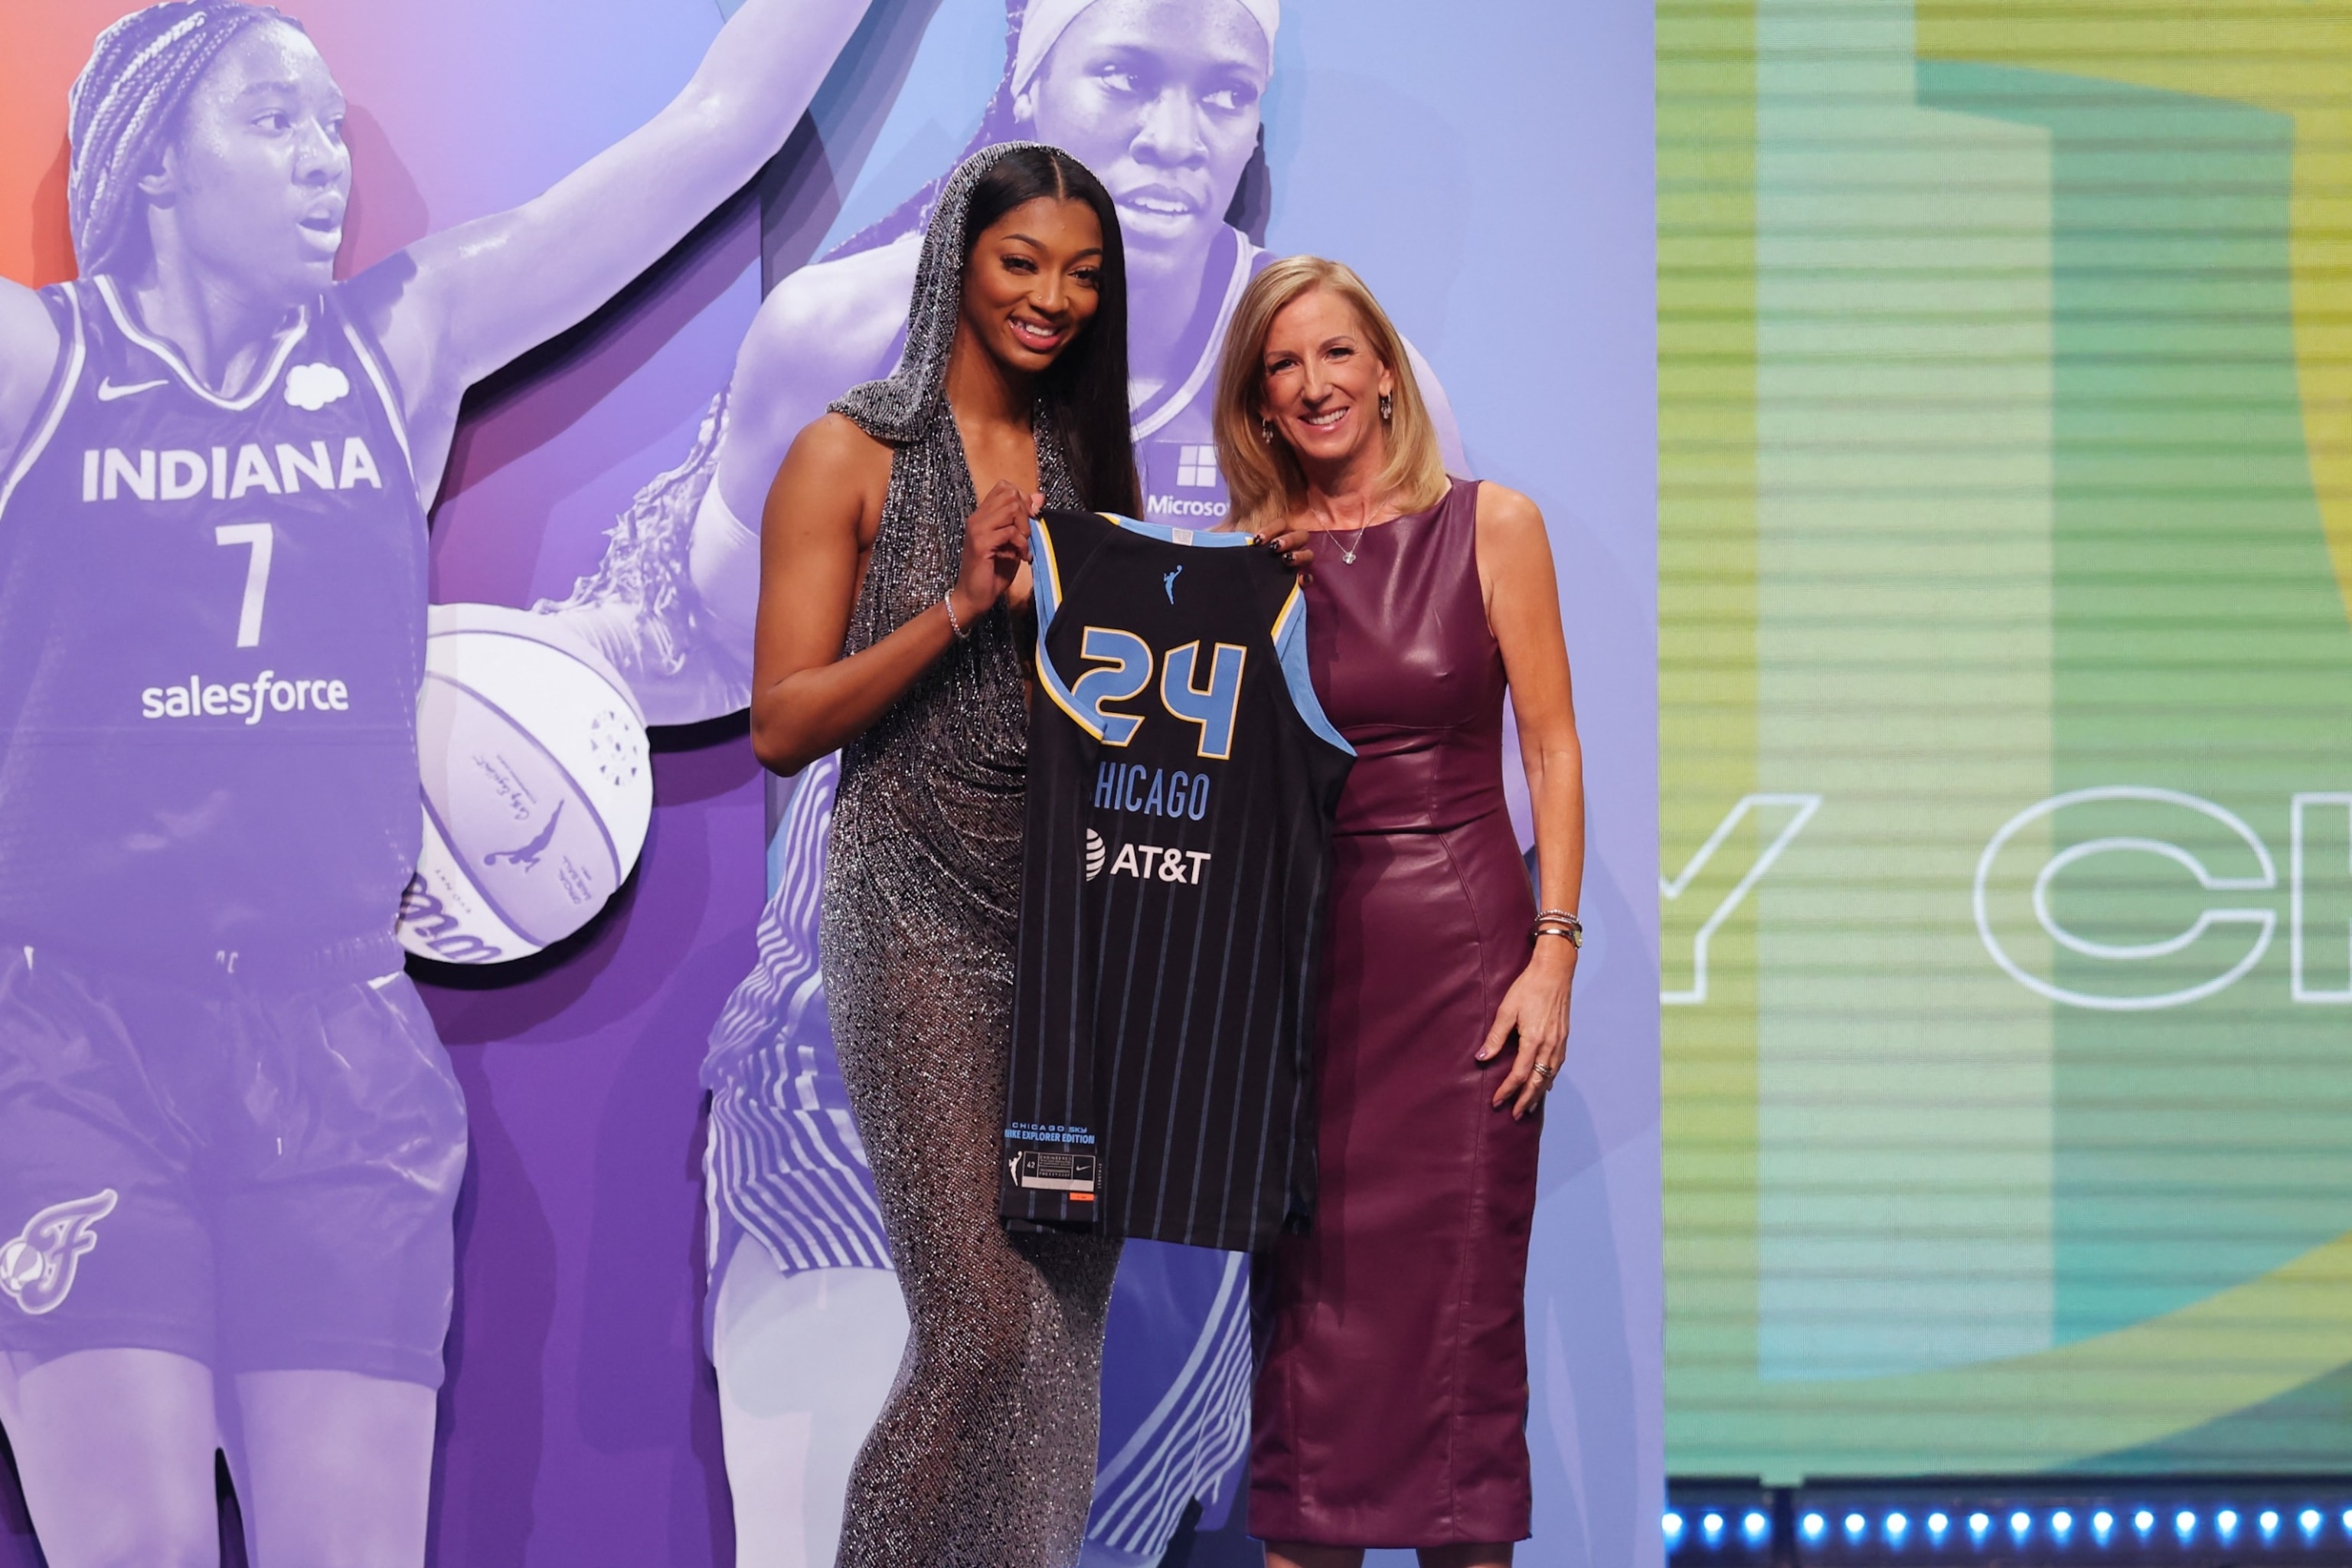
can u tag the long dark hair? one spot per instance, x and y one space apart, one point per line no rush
1085 390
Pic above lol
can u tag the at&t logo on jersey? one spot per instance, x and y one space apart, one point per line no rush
1148 862
37 1267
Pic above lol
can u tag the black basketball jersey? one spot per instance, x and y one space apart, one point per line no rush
1181 784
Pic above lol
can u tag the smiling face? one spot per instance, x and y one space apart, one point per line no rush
1321 382
1034 281
254 182
1158 98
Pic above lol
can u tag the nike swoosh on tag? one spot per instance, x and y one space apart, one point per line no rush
108 392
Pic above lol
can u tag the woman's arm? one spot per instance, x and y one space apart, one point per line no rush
827 326
28 356
820 517
673 607
457 305
1514 572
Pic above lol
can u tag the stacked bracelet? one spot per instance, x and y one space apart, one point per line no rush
1559 923
946 603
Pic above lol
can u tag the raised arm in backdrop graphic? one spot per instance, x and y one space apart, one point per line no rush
1161 99
229 1139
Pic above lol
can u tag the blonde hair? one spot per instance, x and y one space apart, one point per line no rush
1262 475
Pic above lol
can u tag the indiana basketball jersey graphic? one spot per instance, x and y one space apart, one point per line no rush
212 617
1181 784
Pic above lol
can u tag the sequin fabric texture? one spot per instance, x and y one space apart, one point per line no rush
985 1456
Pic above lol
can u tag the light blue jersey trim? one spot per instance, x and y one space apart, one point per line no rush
1290 647
1045 575
1046 590
1189 538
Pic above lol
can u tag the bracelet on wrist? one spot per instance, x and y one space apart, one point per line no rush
955 622
1559 923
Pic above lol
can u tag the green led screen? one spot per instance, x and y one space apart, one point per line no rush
2006 531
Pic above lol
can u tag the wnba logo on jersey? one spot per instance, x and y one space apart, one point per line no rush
37 1267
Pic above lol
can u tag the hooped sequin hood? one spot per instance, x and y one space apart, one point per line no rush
896 408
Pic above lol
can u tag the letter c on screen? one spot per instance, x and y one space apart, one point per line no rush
2265 920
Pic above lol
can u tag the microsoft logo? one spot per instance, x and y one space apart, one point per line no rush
1196 467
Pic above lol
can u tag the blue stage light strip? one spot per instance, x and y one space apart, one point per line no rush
2182 1521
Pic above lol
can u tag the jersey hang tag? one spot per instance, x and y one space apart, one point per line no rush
1069 1173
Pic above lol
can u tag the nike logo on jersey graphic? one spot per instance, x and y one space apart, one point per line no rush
180 474
37 1267
108 392
1168 582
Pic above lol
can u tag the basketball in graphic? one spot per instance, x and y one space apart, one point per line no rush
538 789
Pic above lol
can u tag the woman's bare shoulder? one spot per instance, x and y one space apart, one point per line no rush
833 469
1507 512
835 440
1514 547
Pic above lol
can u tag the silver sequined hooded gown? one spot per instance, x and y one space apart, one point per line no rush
985 1456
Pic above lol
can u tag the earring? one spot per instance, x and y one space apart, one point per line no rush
1266 431
1386 410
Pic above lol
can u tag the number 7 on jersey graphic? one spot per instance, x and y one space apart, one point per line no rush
258 538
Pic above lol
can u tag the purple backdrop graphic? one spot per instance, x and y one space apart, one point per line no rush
580 1421
222 1104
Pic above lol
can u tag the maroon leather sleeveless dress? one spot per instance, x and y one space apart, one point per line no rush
1391 1405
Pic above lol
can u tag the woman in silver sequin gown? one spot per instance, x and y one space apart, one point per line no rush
893 611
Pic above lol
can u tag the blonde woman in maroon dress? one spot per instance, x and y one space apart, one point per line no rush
1392 1404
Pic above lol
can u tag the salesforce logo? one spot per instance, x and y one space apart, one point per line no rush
197 697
